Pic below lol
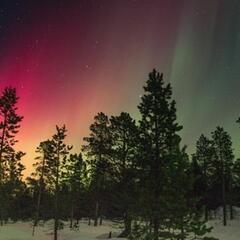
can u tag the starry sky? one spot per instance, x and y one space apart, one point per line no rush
72 59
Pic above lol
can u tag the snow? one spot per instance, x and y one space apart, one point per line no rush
23 230
229 232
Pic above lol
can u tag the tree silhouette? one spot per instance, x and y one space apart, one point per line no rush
125 138
159 141
204 157
75 174
223 163
9 126
41 173
59 151
98 149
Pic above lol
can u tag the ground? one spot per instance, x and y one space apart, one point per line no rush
23 231
230 232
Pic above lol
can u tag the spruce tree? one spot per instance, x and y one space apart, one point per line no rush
223 163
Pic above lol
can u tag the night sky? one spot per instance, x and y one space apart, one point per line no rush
71 59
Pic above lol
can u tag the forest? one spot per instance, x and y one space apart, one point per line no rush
134 172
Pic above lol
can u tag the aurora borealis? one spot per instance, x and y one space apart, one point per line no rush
72 59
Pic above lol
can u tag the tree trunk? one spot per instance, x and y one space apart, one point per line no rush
37 212
1 149
224 201
100 215
89 221
182 233
230 198
56 215
39 197
155 229
96 214
127 226
56 200
231 212
1 218
150 226
206 212
1 169
157 172
206 188
71 217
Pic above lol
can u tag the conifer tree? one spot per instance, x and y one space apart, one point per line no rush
13 182
223 163
15 167
41 173
59 152
75 174
160 142
9 126
48 170
163 167
125 136
204 157
97 150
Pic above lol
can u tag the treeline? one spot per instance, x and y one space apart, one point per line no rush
132 172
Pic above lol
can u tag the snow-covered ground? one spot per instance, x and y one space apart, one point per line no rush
23 231
229 232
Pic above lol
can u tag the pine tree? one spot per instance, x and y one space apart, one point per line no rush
59 151
53 155
13 182
160 141
75 174
125 137
204 157
42 174
163 167
223 163
15 167
9 125
98 149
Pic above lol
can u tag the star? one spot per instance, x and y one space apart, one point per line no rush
88 67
